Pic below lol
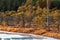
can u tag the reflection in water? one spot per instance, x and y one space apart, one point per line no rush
6 38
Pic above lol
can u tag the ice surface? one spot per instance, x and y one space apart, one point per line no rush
24 36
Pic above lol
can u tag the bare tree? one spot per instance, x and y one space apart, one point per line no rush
48 15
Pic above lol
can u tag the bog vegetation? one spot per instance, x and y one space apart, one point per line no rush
28 14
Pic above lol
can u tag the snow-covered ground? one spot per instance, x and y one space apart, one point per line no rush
22 36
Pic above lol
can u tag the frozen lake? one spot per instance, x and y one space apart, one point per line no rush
22 36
